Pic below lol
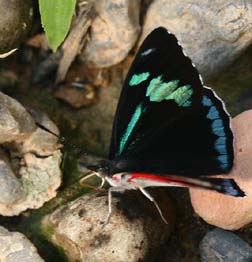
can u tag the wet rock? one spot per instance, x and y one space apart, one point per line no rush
15 247
223 246
134 231
30 160
225 211
15 22
213 33
108 45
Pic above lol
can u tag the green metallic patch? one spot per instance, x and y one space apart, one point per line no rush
134 119
137 79
187 104
158 90
153 85
181 95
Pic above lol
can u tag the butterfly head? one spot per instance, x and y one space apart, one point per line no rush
120 180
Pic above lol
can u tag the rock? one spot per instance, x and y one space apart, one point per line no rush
30 173
15 121
78 228
77 94
40 141
11 190
223 246
213 33
15 247
15 22
108 45
225 211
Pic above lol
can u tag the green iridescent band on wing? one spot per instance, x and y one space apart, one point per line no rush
158 90
181 95
133 121
138 79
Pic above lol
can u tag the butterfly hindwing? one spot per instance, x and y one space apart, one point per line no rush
166 122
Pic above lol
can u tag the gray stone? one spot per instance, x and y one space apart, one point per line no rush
113 32
15 247
78 228
213 33
11 190
15 121
224 246
41 141
15 22
30 174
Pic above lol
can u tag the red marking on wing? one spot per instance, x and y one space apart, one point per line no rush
163 179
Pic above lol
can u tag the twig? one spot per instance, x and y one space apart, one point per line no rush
74 41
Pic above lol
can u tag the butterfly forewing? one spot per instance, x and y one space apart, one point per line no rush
166 122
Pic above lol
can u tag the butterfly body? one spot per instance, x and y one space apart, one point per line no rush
169 129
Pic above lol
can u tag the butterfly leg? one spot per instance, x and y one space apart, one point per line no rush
144 192
110 191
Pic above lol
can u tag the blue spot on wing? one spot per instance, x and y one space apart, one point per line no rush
213 113
221 141
223 161
218 128
206 101
218 123
222 149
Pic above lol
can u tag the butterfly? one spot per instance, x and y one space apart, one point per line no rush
169 129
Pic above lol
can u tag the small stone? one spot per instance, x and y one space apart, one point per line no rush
41 141
212 33
131 232
15 247
108 45
11 189
223 246
15 23
224 211
30 173
15 121
77 94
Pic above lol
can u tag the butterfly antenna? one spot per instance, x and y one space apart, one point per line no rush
61 138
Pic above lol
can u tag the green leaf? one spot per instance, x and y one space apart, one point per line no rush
56 16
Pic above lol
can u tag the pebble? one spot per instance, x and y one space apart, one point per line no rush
212 33
131 233
113 32
30 171
224 246
15 247
15 23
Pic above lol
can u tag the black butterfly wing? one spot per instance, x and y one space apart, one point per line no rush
159 55
166 122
